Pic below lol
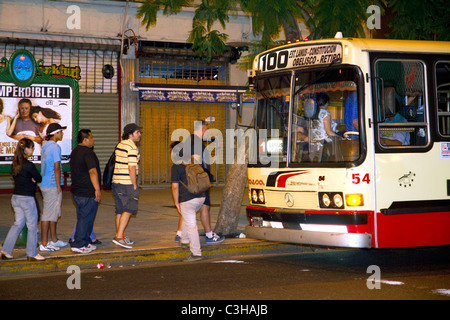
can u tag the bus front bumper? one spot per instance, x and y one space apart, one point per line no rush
332 239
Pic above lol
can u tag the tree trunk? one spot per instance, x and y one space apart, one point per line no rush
291 29
228 218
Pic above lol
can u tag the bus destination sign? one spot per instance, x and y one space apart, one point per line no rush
299 56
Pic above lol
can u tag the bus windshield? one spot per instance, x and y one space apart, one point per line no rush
325 122
272 114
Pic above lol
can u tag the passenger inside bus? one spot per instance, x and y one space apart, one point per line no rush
351 115
314 136
350 146
321 128
392 136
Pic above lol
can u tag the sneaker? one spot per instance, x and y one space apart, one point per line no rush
121 242
214 239
184 245
191 258
81 250
48 247
128 241
96 241
91 246
58 243
177 238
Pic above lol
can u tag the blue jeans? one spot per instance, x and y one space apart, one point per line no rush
86 212
25 212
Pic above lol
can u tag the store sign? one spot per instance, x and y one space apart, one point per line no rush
191 96
299 56
62 71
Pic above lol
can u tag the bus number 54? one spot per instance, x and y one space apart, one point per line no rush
356 178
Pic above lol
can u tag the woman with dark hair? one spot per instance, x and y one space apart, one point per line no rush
23 201
321 128
44 116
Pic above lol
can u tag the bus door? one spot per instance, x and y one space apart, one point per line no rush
406 161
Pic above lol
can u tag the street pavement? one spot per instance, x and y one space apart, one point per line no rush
153 231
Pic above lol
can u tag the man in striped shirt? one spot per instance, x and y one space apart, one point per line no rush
124 182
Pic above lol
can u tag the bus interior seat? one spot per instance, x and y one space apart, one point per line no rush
389 102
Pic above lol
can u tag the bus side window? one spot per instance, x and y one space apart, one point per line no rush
442 71
402 117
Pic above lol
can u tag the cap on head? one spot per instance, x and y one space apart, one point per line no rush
54 128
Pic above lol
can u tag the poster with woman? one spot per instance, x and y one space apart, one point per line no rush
27 112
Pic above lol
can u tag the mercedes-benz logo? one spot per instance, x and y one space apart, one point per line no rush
289 199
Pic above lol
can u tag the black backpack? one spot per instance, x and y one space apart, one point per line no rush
109 170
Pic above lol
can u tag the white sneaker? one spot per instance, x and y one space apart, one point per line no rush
82 250
59 243
48 247
91 247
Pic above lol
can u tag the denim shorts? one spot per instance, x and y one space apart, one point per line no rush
126 198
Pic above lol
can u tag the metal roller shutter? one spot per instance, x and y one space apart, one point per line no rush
159 120
100 114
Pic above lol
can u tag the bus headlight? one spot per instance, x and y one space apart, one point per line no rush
254 196
261 196
257 196
330 200
354 200
326 201
338 201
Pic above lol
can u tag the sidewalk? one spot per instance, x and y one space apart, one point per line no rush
152 230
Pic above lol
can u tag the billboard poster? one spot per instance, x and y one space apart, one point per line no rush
40 105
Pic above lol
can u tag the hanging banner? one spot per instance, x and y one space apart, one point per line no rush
191 96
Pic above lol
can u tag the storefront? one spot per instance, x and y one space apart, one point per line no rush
174 91
98 95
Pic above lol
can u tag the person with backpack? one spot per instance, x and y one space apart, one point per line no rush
187 204
197 148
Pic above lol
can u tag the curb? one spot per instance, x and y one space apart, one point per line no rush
133 257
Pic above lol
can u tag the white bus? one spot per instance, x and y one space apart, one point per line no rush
363 142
